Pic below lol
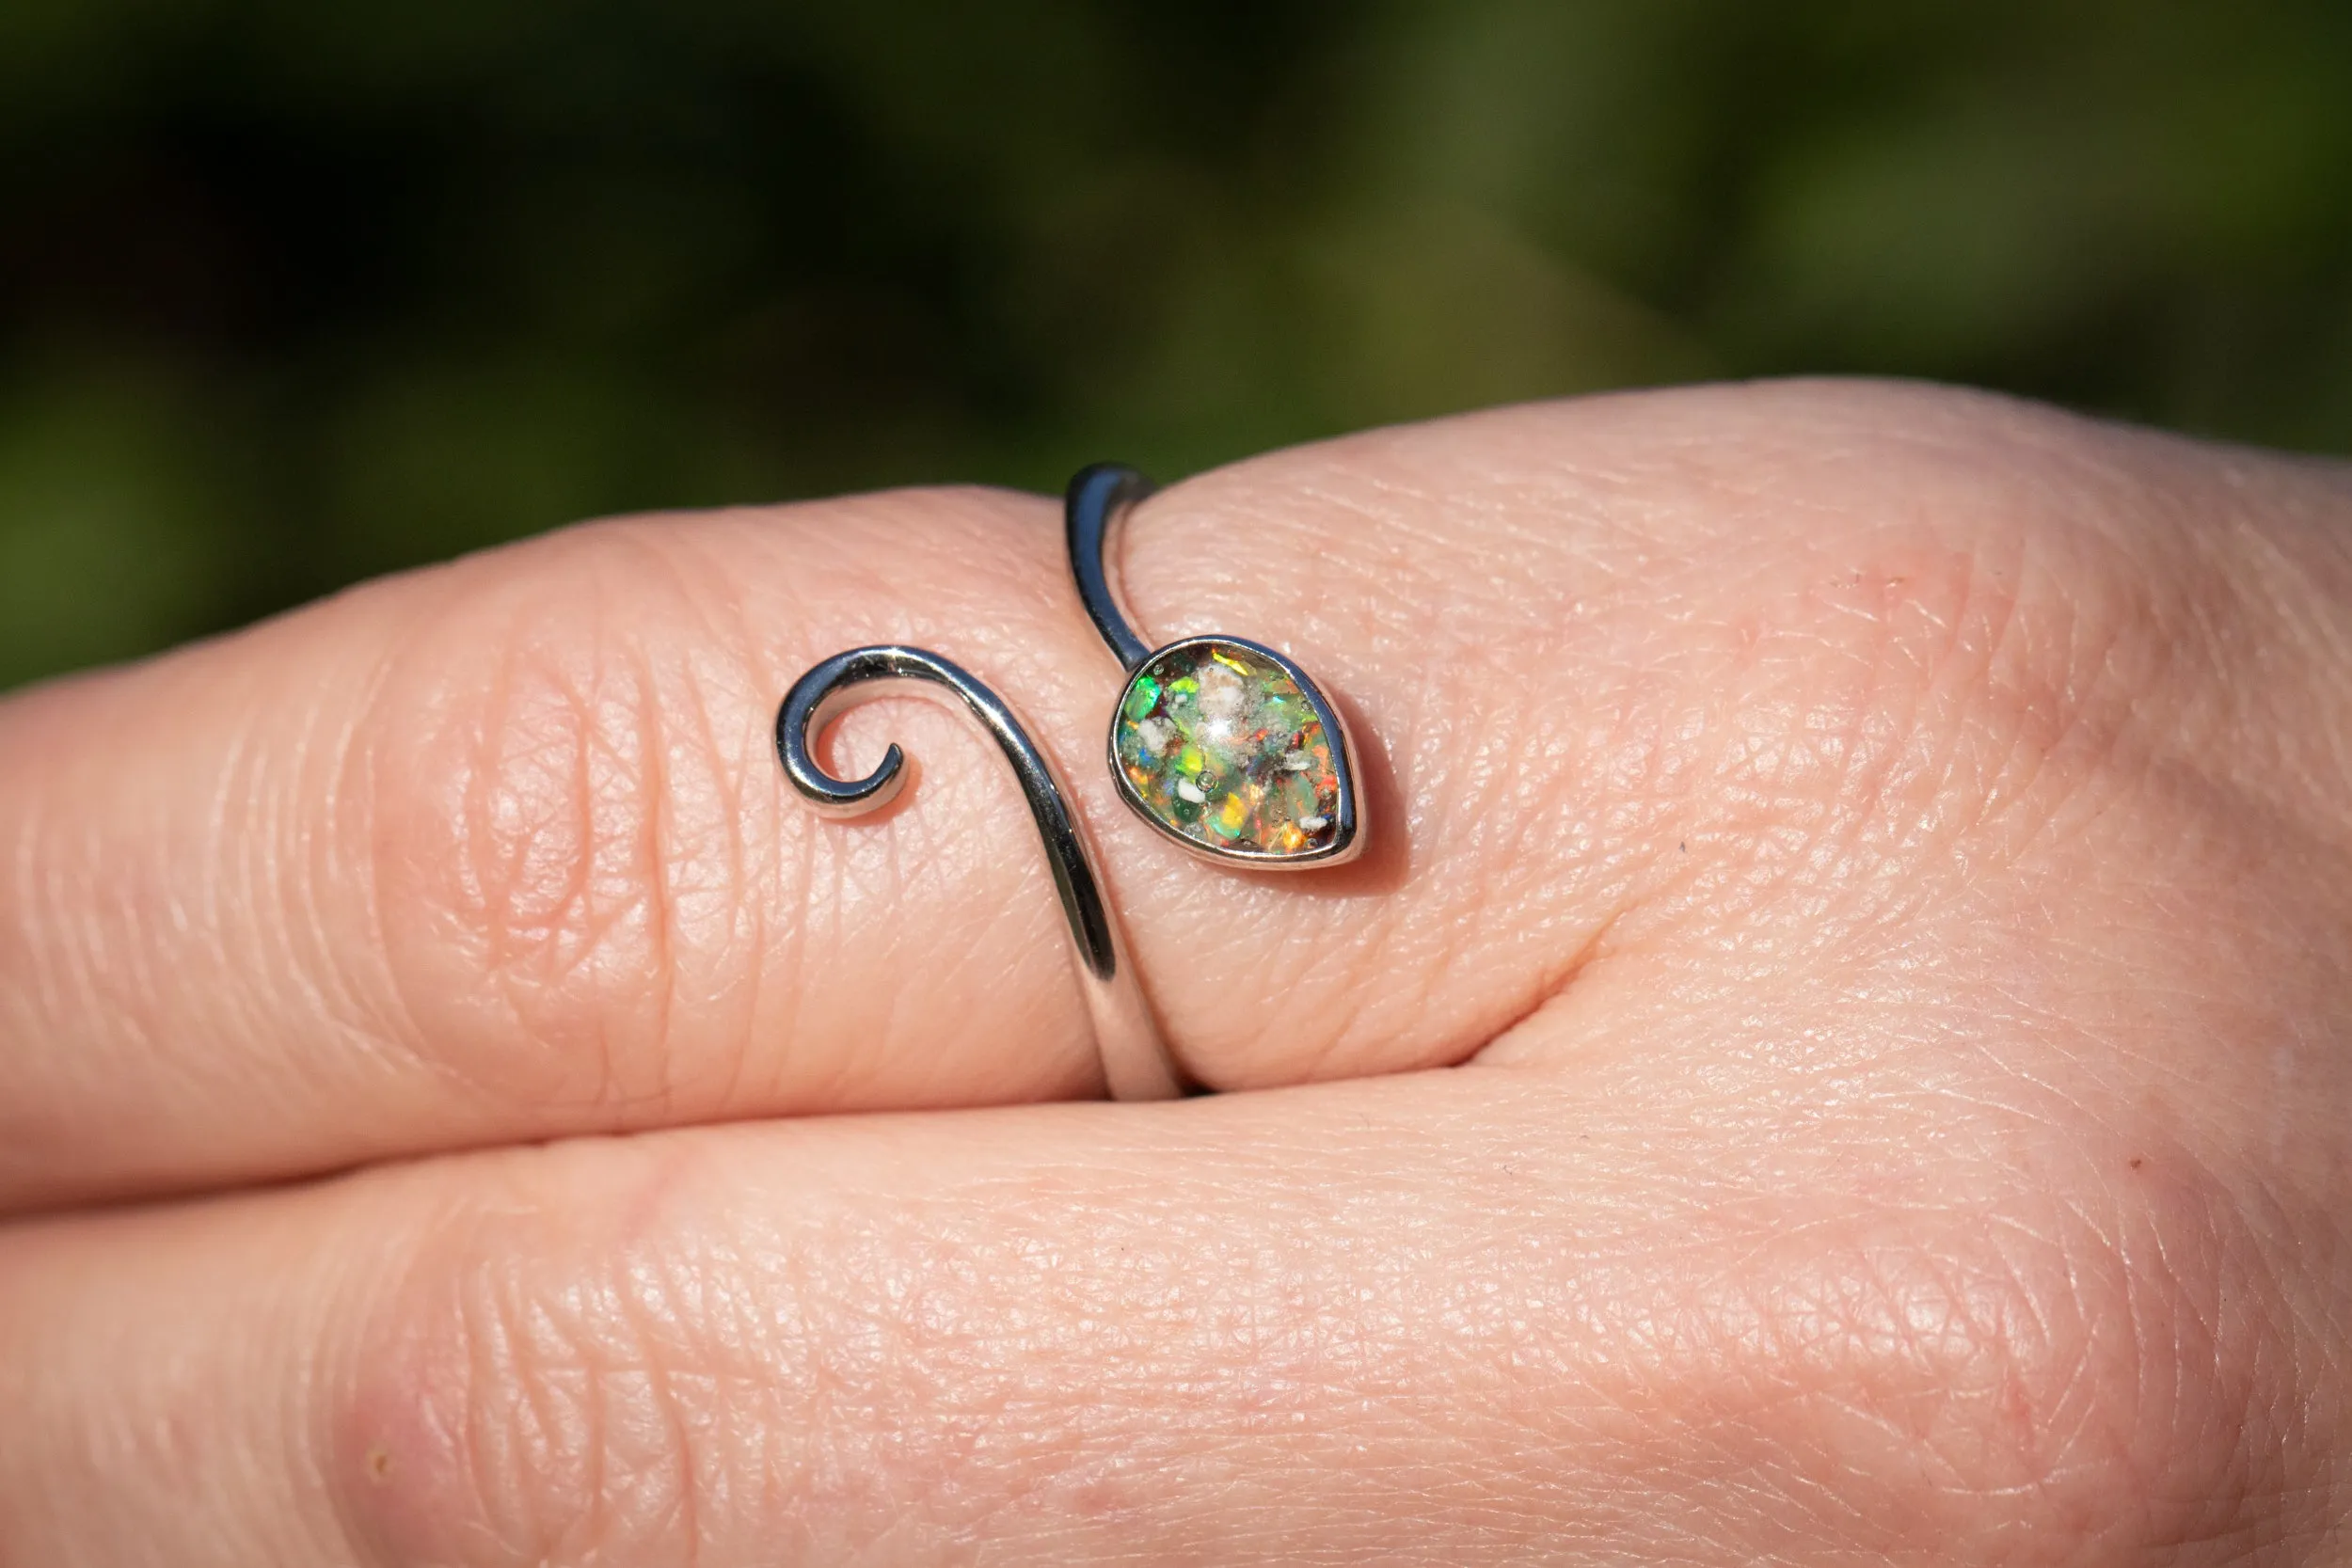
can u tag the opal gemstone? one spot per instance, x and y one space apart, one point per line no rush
1218 744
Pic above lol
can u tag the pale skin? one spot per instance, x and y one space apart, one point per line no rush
1836 1052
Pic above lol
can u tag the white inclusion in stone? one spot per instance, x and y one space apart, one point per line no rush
1155 733
1221 693
1191 791
1297 762
1313 824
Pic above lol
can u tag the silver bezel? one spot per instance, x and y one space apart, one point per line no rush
1347 836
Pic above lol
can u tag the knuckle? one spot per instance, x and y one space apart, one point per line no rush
1956 597
2053 1382
511 1404
556 849
1871 644
591 900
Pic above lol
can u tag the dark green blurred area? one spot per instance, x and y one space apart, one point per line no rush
294 293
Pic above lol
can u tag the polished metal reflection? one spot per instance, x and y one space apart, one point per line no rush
1100 498
1135 1061
1095 506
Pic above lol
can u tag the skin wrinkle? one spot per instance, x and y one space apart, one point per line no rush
221 842
568 924
629 947
476 819
554 1424
1871 774
94 945
360 790
660 784
1995 638
307 864
752 938
657 1496
1999 805
225 924
283 888
380 1019
536 922
852 1339
731 885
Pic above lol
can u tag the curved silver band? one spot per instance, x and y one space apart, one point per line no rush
1097 502
1135 1060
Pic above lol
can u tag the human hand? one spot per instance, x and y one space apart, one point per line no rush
1835 1051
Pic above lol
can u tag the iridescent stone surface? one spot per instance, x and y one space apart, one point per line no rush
1220 745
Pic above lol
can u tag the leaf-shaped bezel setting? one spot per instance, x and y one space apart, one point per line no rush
1347 836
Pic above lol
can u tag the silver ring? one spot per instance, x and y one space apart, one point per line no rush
1220 743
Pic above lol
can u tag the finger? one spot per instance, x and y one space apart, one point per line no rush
503 851
1647 687
1460 1318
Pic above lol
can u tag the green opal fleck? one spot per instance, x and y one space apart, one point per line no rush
1218 744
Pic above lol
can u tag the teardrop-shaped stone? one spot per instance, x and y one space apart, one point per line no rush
1215 742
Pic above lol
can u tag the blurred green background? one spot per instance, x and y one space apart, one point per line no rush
292 293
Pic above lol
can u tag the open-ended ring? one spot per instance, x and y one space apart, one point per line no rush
1220 743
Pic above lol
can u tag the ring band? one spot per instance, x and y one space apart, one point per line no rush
1220 743
1136 1061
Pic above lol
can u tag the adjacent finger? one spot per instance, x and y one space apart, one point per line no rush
1461 1319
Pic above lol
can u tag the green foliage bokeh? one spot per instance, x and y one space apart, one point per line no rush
292 294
